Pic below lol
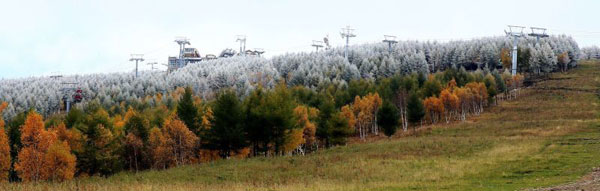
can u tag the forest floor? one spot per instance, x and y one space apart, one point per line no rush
549 135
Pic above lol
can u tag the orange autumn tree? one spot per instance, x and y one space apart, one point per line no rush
434 108
43 157
35 140
159 151
180 141
450 101
4 149
465 98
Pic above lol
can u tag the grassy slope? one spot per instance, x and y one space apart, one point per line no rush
545 137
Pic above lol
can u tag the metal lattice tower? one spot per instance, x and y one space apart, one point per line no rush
347 33
182 41
317 44
137 58
242 40
538 33
515 32
391 40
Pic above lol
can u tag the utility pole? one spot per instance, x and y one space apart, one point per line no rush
182 41
347 33
317 44
242 40
538 33
137 58
152 65
390 40
515 32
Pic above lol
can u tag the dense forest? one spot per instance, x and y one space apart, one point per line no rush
314 70
242 107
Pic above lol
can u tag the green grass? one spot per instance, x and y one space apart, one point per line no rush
543 138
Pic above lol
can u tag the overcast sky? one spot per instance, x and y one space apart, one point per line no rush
79 36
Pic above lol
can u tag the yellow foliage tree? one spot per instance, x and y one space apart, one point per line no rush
303 138
158 149
365 110
505 58
71 136
180 140
465 97
60 162
294 140
450 101
434 107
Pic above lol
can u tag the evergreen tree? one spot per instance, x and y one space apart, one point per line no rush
432 87
339 129
326 112
388 118
227 133
415 108
187 111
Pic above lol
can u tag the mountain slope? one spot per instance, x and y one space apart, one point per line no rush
549 135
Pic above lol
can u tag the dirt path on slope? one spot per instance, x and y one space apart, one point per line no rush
590 182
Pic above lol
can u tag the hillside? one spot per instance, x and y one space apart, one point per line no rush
314 70
548 136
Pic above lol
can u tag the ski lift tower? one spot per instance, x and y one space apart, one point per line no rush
67 92
182 41
317 44
347 33
137 58
515 32
390 40
538 33
242 40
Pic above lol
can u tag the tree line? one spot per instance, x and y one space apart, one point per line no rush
311 69
179 127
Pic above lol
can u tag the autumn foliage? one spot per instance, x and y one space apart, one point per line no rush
365 111
4 149
43 157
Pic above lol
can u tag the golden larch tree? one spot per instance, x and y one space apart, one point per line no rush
60 162
35 140
4 149
180 140
158 149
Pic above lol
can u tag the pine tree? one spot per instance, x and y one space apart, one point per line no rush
388 118
227 133
327 112
415 109
187 110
